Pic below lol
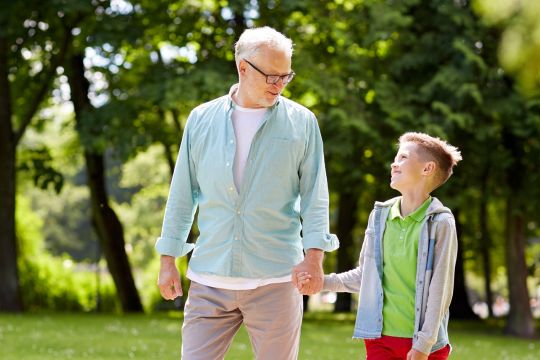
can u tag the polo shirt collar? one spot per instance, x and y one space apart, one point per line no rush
417 215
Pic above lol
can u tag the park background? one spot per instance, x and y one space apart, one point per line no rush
94 96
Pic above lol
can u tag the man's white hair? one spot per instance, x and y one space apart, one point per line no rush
252 40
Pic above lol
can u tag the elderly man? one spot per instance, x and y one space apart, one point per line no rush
252 161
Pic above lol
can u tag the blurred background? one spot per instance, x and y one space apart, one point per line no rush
94 96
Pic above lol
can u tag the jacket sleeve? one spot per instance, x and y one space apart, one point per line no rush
182 201
442 284
350 281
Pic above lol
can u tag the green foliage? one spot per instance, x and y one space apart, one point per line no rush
142 214
69 228
369 70
519 50
37 162
54 283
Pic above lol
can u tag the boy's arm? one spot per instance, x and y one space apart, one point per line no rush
343 282
441 286
350 281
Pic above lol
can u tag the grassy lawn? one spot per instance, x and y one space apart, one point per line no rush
157 336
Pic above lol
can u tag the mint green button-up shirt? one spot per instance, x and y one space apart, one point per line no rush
253 232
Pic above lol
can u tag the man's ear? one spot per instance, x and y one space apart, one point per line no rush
429 168
242 67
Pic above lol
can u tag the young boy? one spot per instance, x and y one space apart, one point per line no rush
405 275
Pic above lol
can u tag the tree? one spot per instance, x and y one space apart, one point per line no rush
105 220
442 75
27 68
519 50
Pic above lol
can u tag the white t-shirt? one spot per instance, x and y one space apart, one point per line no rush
246 122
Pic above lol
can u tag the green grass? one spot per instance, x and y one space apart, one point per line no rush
157 336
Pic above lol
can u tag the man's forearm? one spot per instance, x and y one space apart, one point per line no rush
167 260
314 255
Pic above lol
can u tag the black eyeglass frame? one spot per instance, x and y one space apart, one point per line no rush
274 79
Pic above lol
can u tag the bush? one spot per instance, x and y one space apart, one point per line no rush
55 283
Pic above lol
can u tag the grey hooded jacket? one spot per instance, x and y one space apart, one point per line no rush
437 251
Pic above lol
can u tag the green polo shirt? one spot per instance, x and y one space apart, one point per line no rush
400 252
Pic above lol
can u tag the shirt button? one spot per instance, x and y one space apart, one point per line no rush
227 164
231 188
236 238
232 141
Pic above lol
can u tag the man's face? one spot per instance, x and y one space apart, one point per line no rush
407 168
255 92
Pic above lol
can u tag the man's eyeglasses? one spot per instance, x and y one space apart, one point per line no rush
273 79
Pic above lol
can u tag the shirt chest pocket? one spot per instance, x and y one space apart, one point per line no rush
282 156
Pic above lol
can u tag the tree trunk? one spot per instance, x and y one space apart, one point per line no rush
305 302
108 226
167 147
459 307
347 206
520 321
10 296
111 234
485 243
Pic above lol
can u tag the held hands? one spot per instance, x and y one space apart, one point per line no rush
169 279
308 276
302 278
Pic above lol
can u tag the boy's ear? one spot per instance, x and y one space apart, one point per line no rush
429 168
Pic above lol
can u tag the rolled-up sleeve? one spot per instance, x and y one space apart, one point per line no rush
314 199
182 201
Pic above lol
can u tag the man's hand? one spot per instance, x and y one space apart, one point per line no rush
312 265
169 278
416 355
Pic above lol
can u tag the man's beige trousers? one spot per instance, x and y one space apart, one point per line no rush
272 315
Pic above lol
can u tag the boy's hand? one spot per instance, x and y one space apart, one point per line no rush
302 278
416 355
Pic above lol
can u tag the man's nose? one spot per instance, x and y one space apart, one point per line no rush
281 82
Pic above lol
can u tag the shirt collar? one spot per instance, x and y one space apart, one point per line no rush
231 104
417 215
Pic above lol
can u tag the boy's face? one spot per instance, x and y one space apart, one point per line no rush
407 169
